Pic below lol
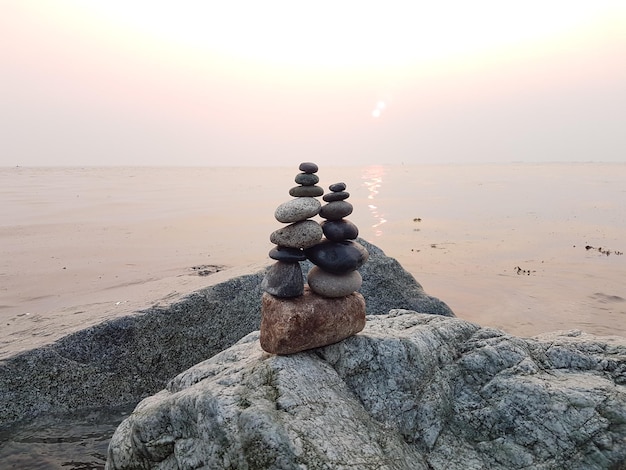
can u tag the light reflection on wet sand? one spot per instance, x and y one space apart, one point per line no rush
373 179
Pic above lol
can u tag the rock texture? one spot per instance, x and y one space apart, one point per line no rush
124 360
309 321
411 391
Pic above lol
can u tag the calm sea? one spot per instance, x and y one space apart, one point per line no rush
527 248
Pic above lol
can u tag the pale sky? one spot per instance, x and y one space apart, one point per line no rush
342 82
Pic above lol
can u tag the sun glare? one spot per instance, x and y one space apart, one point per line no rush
348 33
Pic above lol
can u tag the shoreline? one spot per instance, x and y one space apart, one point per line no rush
80 246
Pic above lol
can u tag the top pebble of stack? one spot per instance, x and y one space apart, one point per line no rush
308 167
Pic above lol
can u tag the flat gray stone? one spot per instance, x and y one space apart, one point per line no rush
333 285
306 191
289 255
297 209
338 196
303 234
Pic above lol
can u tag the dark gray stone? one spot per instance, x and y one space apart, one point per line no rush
337 187
283 280
337 257
333 285
308 167
336 210
306 191
338 230
286 254
307 179
338 196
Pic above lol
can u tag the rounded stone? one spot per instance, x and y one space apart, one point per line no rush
337 187
283 280
286 254
336 210
303 234
333 285
337 257
308 167
307 179
338 230
306 191
301 208
337 196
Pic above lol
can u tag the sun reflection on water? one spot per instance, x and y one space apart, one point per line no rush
373 179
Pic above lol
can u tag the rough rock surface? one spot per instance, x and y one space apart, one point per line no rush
124 360
309 321
411 391
294 210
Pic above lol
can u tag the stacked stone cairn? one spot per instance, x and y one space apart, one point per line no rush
338 257
296 317
284 279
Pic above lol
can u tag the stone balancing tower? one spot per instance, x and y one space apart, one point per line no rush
284 279
297 317
338 257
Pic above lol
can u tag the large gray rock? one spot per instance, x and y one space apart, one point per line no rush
411 391
124 360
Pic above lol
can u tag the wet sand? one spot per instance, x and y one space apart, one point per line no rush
503 245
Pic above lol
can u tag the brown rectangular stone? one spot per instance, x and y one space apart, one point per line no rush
309 321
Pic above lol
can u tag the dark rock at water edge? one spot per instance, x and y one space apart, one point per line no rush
410 392
123 360
337 257
283 280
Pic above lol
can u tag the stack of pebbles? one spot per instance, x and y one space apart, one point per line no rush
284 279
338 257
295 317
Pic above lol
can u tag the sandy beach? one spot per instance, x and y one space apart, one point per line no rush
521 247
